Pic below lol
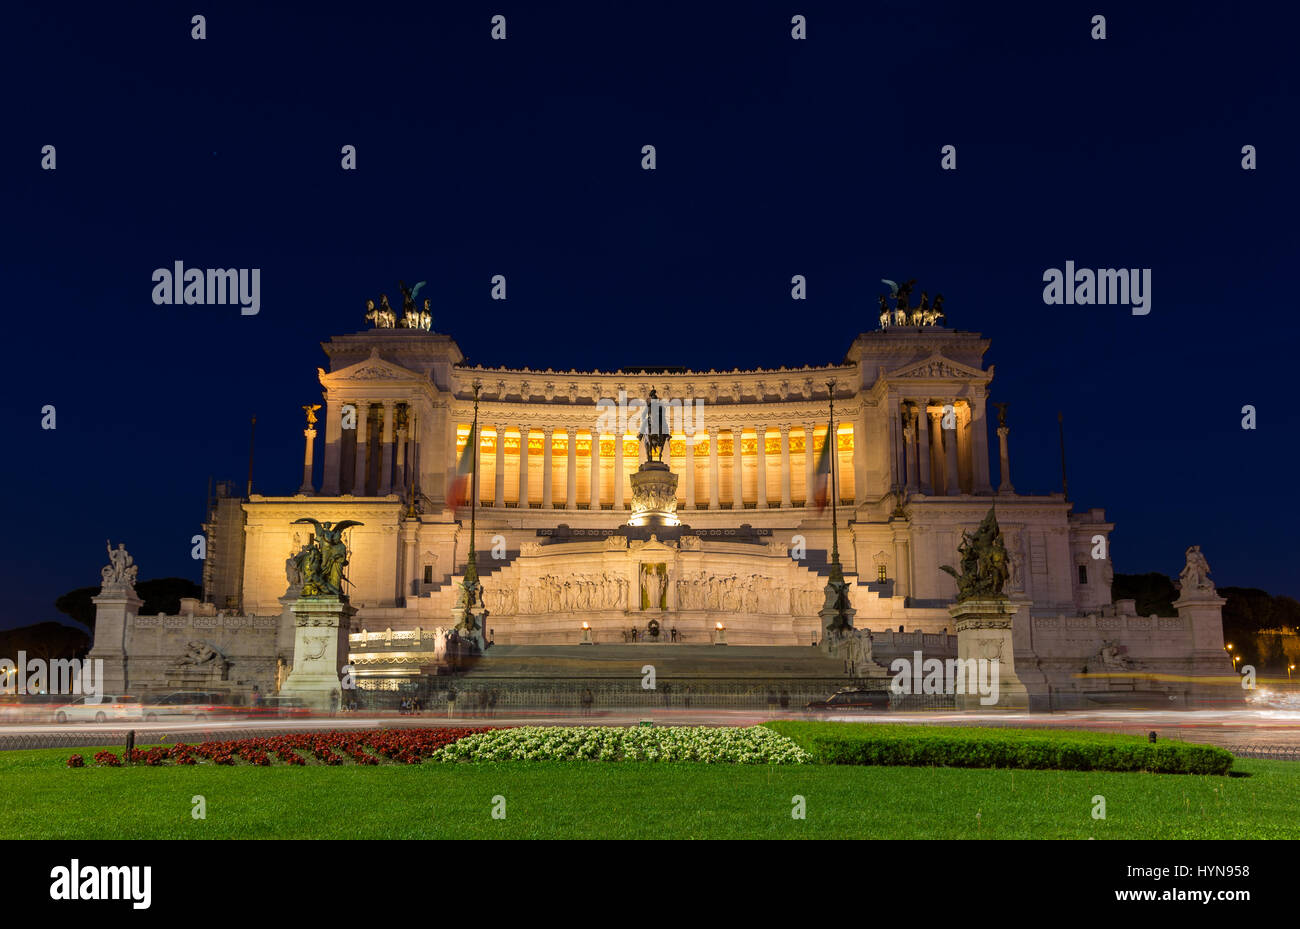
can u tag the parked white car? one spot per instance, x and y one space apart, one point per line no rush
99 709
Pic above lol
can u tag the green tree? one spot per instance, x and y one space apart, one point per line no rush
160 595
1154 592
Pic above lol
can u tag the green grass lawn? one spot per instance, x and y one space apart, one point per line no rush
40 798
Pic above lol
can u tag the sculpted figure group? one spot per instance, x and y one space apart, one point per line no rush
732 593
984 563
574 593
121 568
385 317
904 314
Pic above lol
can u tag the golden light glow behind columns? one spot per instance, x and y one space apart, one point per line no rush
505 449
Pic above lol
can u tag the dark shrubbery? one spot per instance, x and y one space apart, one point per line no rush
923 746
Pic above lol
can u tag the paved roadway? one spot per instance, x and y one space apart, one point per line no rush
1264 733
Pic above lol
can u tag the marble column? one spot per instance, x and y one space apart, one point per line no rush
523 468
980 446
386 457
952 483
902 570
895 444
548 473
785 466
571 472
924 425
595 470
618 469
363 440
1004 486
310 435
689 459
761 466
713 467
333 448
476 463
401 456
809 464
737 468
499 474
909 452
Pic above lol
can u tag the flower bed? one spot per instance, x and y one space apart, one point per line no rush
713 745
376 746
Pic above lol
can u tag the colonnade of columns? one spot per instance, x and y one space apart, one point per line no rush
944 445
379 456
510 471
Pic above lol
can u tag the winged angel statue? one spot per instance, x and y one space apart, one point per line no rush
323 558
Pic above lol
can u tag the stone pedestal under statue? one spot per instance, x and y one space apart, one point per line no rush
469 615
836 614
654 496
115 608
984 634
320 650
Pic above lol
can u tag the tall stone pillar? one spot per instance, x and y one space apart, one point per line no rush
402 432
761 466
902 568
619 445
809 463
713 467
858 455
952 482
310 435
1004 486
523 468
785 466
689 459
737 468
924 424
386 459
548 472
909 449
410 551
363 443
477 464
571 470
333 448
980 446
895 444
499 475
594 504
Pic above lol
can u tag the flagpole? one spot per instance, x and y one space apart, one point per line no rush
836 573
471 569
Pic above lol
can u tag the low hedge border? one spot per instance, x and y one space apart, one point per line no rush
1012 749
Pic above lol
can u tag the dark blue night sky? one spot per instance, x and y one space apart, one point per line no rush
775 157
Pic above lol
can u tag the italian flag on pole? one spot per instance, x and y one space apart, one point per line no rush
822 476
458 488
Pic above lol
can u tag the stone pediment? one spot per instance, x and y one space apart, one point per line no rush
652 546
373 368
937 367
